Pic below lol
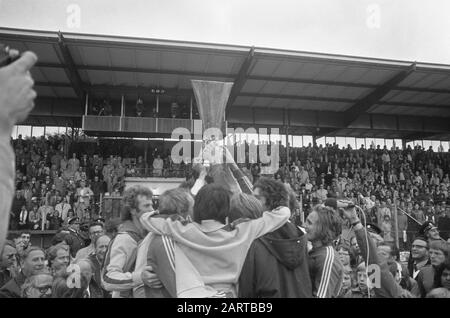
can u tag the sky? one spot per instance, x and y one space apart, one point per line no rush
411 30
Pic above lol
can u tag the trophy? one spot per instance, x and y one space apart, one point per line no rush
212 100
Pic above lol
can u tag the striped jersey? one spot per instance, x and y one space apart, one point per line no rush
326 272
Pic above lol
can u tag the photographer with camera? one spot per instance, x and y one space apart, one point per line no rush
16 101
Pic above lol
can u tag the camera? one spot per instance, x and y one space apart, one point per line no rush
5 57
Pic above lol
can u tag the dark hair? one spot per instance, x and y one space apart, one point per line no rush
329 224
58 238
274 191
130 202
422 238
395 253
439 271
25 232
96 224
212 202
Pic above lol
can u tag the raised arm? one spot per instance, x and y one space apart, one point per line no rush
388 286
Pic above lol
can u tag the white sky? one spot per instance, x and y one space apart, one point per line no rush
413 30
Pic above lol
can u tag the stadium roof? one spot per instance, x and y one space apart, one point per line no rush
312 93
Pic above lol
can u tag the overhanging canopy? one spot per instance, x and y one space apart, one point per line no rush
307 92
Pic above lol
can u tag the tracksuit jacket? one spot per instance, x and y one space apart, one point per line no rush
118 274
326 272
211 252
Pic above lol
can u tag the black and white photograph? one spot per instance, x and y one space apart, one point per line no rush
238 150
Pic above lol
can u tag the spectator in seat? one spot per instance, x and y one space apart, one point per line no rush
54 220
386 227
35 218
73 163
321 193
63 208
158 165
18 203
24 223
44 211
140 108
174 110
98 188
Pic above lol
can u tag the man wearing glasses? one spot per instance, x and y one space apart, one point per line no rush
95 230
419 256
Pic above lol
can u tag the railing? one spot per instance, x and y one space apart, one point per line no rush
38 238
151 173
101 123
135 124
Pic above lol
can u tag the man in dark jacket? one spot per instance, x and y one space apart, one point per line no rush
74 239
276 264
18 203
98 187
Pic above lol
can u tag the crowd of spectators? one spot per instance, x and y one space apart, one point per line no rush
253 251
69 268
52 187
415 181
